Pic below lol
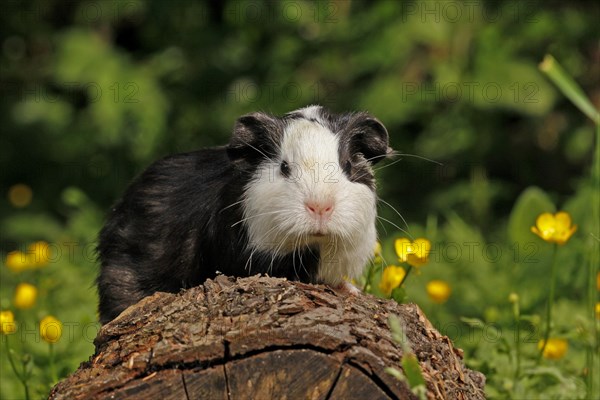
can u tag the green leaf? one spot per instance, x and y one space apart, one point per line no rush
399 294
397 331
395 373
412 370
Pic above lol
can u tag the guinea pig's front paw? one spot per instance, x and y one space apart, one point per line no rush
347 288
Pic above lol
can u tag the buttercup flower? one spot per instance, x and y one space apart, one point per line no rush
50 329
20 195
438 291
17 261
7 323
414 253
554 228
555 349
597 310
377 253
25 296
38 255
391 278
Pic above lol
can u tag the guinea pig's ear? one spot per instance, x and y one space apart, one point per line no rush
370 138
254 137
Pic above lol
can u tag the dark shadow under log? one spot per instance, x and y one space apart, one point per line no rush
265 338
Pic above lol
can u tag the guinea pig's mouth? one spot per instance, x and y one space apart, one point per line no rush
319 233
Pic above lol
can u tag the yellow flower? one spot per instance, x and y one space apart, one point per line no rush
39 253
17 261
25 296
20 195
414 253
50 329
554 228
7 323
438 291
377 253
555 349
391 278
597 310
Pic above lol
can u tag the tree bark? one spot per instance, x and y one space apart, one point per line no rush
265 338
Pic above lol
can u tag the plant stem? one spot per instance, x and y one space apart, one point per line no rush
594 262
20 377
550 303
52 364
369 276
517 317
573 91
569 87
406 275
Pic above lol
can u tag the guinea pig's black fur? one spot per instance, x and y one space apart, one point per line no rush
178 222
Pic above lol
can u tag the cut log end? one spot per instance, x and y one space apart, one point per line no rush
262 337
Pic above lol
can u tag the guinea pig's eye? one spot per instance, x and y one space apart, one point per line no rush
285 169
347 167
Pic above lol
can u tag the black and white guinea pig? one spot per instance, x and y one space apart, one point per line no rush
291 196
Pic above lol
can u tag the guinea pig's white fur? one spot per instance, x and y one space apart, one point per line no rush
274 206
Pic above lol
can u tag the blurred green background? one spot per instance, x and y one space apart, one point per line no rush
94 91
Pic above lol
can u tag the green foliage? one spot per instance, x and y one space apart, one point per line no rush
95 91
411 370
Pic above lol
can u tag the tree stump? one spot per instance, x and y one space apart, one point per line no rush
265 338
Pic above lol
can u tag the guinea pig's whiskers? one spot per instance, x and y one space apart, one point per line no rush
337 245
380 156
387 165
231 205
257 215
277 252
383 227
396 211
419 157
277 249
400 155
356 178
294 260
248 265
260 151
368 172
397 227
297 247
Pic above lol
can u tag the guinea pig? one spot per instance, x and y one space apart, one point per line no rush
291 196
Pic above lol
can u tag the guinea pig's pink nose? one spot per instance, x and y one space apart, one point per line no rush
320 209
